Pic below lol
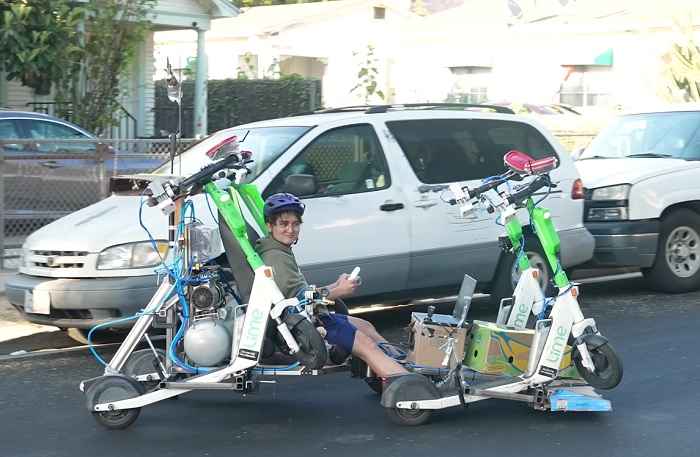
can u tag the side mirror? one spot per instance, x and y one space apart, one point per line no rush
576 154
523 164
300 185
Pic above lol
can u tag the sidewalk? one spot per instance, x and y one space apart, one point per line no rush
12 325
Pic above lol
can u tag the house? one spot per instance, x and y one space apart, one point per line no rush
195 15
325 40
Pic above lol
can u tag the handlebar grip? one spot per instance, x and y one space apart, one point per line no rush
205 174
530 189
486 187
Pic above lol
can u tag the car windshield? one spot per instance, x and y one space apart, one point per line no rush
659 135
266 144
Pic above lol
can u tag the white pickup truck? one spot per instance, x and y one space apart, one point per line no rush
642 179
376 202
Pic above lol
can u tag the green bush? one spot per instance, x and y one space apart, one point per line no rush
232 102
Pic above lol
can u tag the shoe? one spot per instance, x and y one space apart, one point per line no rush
337 355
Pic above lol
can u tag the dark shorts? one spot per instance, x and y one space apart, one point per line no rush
339 331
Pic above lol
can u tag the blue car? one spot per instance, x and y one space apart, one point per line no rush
43 179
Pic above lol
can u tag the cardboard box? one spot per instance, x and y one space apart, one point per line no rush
500 350
426 339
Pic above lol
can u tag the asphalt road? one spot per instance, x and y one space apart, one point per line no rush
655 408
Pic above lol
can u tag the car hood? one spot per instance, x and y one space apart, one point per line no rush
112 221
608 172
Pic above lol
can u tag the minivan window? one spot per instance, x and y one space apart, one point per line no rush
451 150
345 160
266 144
673 134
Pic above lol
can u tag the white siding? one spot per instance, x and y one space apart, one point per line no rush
18 95
179 6
148 116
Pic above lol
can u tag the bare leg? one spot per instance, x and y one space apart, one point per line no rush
382 365
367 328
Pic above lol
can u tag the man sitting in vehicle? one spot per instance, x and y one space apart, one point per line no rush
283 216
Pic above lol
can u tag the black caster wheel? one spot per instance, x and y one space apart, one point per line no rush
111 389
408 416
143 362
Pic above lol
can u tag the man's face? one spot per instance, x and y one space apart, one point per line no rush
286 228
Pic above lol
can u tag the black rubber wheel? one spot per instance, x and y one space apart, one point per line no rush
608 367
312 348
408 416
340 307
676 267
141 362
110 389
506 276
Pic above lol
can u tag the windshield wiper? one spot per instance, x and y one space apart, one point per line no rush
651 154
597 157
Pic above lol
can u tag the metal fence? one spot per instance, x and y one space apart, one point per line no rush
41 181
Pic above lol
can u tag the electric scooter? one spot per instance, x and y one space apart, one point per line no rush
214 339
409 400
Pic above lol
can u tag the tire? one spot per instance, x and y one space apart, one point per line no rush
608 367
114 388
340 307
507 273
312 348
141 362
676 267
409 417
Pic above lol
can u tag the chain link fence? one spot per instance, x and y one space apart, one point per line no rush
44 180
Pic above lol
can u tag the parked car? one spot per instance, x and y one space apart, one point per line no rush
642 179
45 178
377 202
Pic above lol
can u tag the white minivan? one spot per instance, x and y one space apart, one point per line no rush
377 202
642 179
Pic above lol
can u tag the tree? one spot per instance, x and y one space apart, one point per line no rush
40 41
81 51
367 84
683 66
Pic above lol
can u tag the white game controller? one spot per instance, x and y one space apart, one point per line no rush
353 275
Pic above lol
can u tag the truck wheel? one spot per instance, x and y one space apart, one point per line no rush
507 273
677 265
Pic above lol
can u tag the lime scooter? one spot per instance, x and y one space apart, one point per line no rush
409 400
212 341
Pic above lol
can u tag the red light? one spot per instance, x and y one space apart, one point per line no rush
212 151
520 162
577 192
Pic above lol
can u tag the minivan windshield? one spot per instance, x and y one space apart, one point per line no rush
266 144
663 135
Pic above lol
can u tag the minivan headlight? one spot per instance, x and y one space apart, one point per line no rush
618 192
132 255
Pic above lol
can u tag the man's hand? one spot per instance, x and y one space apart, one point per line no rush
343 287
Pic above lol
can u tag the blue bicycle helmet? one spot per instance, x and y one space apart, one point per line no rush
281 203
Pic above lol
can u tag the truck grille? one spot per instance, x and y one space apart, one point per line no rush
57 259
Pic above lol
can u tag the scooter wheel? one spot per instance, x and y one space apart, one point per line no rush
143 362
111 389
608 367
312 348
410 417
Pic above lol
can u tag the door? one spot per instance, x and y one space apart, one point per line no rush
355 216
446 244
68 172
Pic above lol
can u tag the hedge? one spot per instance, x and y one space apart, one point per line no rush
233 102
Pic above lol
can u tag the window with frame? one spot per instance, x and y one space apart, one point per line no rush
470 84
345 160
586 85
9 130
453 150
47 131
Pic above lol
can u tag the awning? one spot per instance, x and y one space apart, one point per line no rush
592 56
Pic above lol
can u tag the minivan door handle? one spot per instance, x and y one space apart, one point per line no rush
391 206
50 164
